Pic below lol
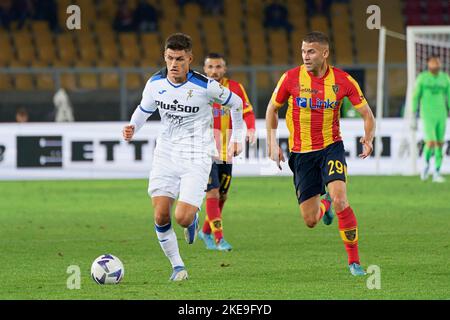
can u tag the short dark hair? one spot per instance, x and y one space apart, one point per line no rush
215 55
433 57
316 36
179 41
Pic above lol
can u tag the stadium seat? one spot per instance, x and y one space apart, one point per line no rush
340 27
237 52
192 11
45 49
66 48
233 10
22 81
86 80
191 28
7 51
87 47
133 80
6 82
68 80
257 43
279 46
167 27
44 81
107 10
213 35
24 46
103 28
40 27
169 9
129 45
151 48
297 15
108 49
319 23
264 81
255 10
108 80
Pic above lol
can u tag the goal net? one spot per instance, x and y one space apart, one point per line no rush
421 43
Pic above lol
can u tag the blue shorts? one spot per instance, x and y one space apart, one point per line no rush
220 177
314 170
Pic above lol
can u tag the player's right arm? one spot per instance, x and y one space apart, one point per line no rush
417 94
279 97
140 115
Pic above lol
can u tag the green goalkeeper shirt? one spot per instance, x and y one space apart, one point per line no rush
432 91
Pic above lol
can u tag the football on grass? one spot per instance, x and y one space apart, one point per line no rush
107 269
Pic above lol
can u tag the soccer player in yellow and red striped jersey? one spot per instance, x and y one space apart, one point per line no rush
314 92
220 176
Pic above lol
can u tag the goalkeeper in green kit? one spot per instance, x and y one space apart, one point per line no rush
431 91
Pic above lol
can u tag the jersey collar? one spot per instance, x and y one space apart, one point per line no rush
189 75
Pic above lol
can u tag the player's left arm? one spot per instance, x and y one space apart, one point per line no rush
249 115
369 130
359 102
225 97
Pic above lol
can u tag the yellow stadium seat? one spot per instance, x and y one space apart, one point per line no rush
133 80
130 48
278 43
6 82
108 49
7 51
22 81
192 11
167 27
66 48
108 80
40 27
87 47
233 10
263 81
191 29
255 9
24 46
151 47
44 81
237 53
319 23
107 10
103 28
68 80
258 48
214 37
169 9
87 80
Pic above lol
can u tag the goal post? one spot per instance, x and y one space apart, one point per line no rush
421 42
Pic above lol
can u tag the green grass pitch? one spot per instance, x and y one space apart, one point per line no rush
46 226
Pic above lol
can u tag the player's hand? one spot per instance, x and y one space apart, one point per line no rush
251 136
367 147
234 148
128 132
276 154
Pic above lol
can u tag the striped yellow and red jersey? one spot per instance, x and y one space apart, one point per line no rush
222 118
314 106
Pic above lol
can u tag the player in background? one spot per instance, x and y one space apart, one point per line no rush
431 90
221 171
314 92
185 146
